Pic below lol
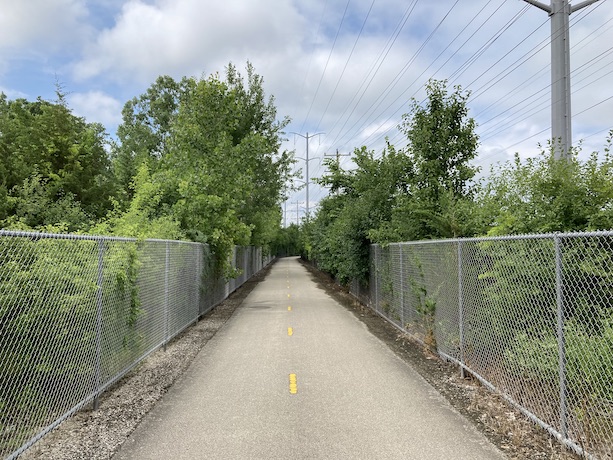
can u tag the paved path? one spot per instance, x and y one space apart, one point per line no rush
294 375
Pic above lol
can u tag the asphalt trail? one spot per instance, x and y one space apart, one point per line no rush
293 374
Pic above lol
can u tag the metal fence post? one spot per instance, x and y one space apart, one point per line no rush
461 310
401 290
99 322
561 339
198 251
166 266
376 269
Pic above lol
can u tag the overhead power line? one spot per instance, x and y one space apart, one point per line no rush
327 62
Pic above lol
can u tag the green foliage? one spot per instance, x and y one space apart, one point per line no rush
126 276
361 199
147 215
223 172
51 155
146 129
287 241
542 194
199 159
589 362
421 192
32 207
64 275
442 142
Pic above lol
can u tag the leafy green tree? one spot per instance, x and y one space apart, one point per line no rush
260 133
206 169
57 157
542 194
146 129
442 142
212 147
287 241
361 201
206 154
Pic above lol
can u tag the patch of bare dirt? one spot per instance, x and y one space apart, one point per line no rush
94 435
506 427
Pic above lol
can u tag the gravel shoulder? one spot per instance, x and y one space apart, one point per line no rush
99 434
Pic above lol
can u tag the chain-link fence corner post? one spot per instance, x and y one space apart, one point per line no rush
166 294
461 311
561 338
100 286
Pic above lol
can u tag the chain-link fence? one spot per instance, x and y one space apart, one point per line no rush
78 312
529 316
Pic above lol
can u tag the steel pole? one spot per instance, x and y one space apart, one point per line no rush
560 79
561 117
307 159
307 177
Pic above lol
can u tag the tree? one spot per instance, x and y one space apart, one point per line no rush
206 152
287 241
442 142
56 159
361 202
542 194
146 129
212 147
260 133
423 191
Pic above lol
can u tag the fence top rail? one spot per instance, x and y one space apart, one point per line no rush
536 236
72 236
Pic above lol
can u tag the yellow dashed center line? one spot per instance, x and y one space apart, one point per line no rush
293 384
289 308
290 331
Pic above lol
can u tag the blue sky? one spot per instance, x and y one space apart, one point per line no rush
345 68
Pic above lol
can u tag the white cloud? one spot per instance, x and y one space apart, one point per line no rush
187 37
96 106
378 128
41 24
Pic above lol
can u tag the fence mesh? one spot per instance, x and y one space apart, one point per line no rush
77 313
531 316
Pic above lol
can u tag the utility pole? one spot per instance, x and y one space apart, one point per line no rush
291 211
561 121
338 155
307 137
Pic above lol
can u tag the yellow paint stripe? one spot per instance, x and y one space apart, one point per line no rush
290 331
289 308
293 384
288 296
